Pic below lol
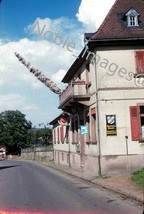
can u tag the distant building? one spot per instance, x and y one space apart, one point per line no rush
105 97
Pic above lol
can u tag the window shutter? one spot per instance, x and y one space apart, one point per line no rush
139 55
58 137
62 134
54 135
135 123
67 134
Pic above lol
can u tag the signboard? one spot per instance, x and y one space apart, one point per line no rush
84 129
64 120
111 129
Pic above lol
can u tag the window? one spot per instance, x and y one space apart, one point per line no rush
137 122
88 78
87 122
68 158
79 76
62 156
54 135
74 128
62 134
132 18
55 156
58 138
139 59
93 125
73 158
132 21
67 134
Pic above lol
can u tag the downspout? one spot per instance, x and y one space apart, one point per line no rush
68 129
97 119
69 147
93 61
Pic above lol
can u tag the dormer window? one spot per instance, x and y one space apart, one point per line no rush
132 18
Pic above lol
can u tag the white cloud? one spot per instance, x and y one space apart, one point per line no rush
15 101
58 76
61 30
19 88
91 13
41 54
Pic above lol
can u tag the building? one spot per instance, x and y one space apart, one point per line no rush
105 97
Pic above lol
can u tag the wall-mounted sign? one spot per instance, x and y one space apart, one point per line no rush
64 120
84 129
111 129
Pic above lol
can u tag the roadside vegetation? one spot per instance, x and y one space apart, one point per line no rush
17 133
138 177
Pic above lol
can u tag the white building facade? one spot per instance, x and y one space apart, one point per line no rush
104 99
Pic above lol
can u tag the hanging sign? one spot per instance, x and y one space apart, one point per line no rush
111 129
84 129
64 120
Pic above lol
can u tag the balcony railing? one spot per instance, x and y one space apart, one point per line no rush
66 94
77 89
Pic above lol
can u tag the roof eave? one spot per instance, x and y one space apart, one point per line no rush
113 42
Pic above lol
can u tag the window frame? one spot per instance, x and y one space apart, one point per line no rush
93 136
132 21
75 129
136 124
139 61
132 18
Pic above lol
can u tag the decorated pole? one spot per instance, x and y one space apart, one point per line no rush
37 73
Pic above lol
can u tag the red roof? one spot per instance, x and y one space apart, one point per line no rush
115 24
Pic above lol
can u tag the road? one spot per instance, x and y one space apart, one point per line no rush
32 187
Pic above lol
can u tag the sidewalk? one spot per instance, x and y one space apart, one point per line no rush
121 184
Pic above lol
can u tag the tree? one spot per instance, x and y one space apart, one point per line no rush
42 136
14 130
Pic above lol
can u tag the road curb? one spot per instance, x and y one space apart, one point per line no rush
117 191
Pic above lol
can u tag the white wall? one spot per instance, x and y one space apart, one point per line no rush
118 103
115 68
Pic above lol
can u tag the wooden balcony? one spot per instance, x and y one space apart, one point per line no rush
77 92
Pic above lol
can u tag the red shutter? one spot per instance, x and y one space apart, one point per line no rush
62 134
135 123
139 55
67 134
54 135
58 137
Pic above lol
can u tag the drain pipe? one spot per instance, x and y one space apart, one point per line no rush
93 61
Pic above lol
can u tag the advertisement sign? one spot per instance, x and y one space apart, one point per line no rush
111 129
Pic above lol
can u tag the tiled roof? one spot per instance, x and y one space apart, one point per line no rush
115 25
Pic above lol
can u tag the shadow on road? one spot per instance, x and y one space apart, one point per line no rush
6 167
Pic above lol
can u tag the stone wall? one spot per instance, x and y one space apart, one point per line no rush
38 153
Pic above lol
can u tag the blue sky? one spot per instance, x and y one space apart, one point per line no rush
17 14
19 89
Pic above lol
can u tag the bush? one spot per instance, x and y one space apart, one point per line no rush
138 177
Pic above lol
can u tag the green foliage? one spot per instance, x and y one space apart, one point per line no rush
42 136
14 129
138 177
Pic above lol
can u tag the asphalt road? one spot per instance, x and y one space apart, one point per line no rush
32 187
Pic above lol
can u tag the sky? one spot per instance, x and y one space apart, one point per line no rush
41 31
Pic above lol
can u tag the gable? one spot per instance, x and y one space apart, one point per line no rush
115 24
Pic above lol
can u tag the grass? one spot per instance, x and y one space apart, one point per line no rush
138 177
